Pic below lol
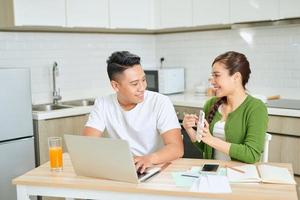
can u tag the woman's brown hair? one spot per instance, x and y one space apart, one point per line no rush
233 62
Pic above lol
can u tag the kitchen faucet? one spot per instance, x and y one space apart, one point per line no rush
55 95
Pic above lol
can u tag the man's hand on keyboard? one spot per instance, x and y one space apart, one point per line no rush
142 163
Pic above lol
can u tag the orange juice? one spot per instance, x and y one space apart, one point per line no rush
55 156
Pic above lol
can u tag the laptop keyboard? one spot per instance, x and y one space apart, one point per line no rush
140 175
149 173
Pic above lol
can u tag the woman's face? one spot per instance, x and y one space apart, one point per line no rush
223 83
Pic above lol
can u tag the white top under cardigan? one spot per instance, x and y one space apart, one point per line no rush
219 132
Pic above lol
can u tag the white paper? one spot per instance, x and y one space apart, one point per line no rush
211 184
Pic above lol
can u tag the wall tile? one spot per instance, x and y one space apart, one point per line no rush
81 60
273 53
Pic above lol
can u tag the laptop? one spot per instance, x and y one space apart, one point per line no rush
104 158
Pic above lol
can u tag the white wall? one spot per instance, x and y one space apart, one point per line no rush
81 60
273 53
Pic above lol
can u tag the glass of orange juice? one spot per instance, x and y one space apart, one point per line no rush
55 153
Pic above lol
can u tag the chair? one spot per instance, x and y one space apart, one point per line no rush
265 155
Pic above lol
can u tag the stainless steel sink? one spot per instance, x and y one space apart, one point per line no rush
49 107
81 102
63 105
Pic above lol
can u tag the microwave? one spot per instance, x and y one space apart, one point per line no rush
165 80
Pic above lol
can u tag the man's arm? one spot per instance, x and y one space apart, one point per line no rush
172 150
89 131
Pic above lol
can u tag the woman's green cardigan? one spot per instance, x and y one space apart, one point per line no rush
245 129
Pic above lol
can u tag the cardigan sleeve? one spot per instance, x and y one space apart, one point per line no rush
250 150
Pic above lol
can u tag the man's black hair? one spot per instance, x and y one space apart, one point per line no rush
119 61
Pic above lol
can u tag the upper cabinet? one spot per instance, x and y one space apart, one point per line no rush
32 13
130 14
87 13
210 12
253 10
289 9
142 14
174 13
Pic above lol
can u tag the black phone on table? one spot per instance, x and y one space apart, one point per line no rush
210 168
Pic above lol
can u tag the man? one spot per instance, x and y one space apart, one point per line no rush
147 120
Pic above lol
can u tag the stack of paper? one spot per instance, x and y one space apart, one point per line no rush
187 178
211 184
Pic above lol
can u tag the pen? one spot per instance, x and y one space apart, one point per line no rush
192 176
235 169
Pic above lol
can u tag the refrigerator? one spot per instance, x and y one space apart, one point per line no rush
17 154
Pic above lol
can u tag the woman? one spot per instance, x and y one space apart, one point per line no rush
236 122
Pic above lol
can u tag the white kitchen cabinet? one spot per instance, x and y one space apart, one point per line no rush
87 13
210 12
289 9
253 10
175 13
130 13
32 13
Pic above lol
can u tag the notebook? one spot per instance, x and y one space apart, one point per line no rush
261 173
104 158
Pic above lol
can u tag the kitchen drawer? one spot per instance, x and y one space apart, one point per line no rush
182 110
55 127
284 125
285 149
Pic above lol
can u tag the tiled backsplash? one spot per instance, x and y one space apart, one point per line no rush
81 60
273 53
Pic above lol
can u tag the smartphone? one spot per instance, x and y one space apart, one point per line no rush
200 125
210 168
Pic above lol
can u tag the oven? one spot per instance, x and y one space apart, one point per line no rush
190 151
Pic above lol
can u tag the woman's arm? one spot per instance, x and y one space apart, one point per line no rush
251 148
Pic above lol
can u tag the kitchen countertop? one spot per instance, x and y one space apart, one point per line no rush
185 99
67 112
192 100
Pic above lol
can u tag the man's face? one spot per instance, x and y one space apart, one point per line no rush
130 85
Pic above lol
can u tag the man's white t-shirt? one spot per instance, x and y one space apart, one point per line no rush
141 126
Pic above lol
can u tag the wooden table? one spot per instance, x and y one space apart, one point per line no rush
41 181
